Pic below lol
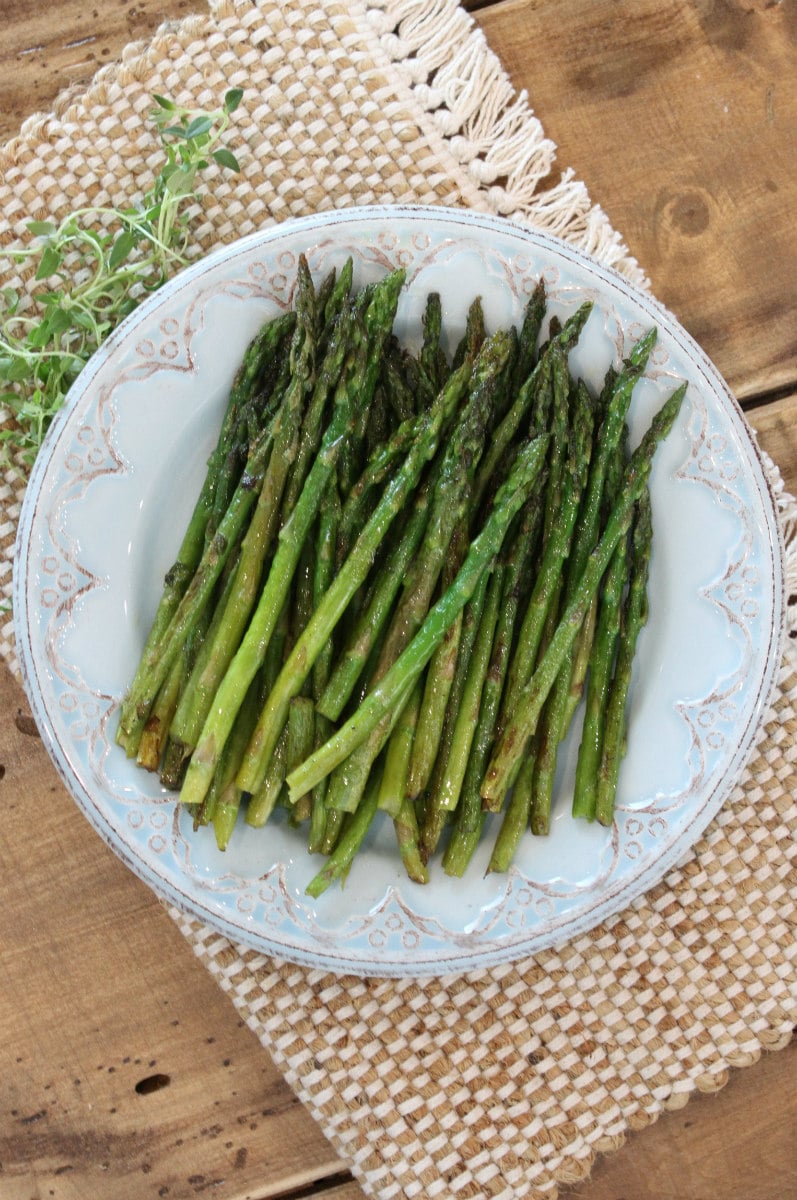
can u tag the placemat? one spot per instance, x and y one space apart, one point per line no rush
503 1083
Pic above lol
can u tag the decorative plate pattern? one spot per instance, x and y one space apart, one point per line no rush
116 480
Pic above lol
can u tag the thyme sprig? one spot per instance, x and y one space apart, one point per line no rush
93 268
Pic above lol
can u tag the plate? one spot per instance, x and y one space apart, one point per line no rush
104 513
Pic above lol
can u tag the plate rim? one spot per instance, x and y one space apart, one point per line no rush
526 943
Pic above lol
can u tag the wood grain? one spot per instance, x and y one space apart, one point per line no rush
680 116
776 427
716 1148
682 119
719 1147
40 57
124 1069
95 1002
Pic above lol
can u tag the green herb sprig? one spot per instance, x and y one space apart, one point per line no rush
94 267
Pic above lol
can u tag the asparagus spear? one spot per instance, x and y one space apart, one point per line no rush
288 449
300 602
384 460
399 393
364 639
450 504
399 679
449 791
554 725
505 391
432 358
324 573
335 321
600 674
509 750
444 675
569 448
431 717
503 436
516 817
578 659
529 334
635 615
301 739
333 295
612 407
154 744
608 438
546 753
155 731
341 858
263 802
155 664
377 332
251 652
393 788
256 394
544 596
471 342
408 841
323 294
223 800
470 814
354 571
435 814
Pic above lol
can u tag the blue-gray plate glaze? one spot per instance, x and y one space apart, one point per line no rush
104 514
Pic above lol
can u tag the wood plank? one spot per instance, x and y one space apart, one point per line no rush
93 1001
776 427
226 1118
682 120
40 58
693 1154
718 1147
704 187
82 995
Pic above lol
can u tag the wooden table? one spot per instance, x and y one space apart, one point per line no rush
124 1070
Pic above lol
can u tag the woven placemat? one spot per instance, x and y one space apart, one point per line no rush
502 1083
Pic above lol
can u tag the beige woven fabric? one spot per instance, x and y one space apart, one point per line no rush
501 1083
345 102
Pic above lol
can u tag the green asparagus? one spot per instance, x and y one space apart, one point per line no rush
393 580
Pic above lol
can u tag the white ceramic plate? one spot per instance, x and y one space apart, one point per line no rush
104 514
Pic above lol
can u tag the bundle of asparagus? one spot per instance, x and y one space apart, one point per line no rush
399 578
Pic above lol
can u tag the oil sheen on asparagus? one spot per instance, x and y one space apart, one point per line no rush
403 574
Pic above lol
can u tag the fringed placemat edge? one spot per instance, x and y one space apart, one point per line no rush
472 134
